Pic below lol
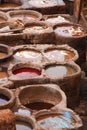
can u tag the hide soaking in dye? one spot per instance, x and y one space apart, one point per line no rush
28 54
3 99
39 105
69 31
52 121
59 55
57 19
27 72
59 71
36 29
20 125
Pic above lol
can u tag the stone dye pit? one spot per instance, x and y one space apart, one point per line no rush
39 97
48 120
40 76
25 15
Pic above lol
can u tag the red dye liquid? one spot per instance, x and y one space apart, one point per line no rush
27 72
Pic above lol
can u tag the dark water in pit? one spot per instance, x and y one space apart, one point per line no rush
27 72
3 99
20 125
59 55
39 105
52 121
59 71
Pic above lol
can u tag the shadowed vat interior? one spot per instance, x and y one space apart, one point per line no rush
62 120
7 98
5 52
40 97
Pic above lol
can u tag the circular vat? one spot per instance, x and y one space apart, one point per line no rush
25 15
61 54
24 71
41 97
68 77
26 53
7 98
68 33
5 52
58 120
36 27
25 123
39 32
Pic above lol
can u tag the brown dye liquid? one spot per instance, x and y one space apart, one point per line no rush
24 17
39 105
8 5
59 71
20 125
2 20
69 31
59 55
2 54
51 121
3 75
3 99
